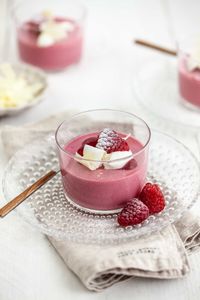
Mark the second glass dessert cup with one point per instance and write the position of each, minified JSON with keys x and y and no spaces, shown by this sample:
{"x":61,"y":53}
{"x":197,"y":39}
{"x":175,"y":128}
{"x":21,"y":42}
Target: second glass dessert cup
{"x":103,"y":189}
{"x":50,"y":33}
{"x":189,"y":71}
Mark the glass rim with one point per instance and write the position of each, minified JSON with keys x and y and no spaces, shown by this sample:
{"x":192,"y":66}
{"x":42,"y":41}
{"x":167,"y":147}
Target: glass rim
{"x":74,"y":156}
{"x":16,"y":6}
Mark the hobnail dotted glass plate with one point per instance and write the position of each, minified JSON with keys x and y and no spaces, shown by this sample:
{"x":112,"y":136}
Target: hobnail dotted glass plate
{"x":171,"y":165}
{"x":156,"y":87}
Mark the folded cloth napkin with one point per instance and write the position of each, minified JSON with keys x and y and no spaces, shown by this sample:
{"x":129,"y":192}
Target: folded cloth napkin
{"x":162,"y":255}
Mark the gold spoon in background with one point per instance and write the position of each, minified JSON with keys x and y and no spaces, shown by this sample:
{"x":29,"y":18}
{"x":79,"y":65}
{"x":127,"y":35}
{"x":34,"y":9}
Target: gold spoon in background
{"x":155,"y":47}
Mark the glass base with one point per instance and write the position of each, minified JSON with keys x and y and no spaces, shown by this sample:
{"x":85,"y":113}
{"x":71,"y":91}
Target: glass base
{"x":189,"y":105}
{"x":90,"y":210}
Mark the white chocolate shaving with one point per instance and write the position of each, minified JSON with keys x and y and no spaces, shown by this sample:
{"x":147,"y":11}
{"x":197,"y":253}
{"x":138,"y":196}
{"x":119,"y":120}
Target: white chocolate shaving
{"x":45,"y":40}
{"x":14,"y":88}
{"x":92,"y":157}
{"x":52,"y":31}
{"x":122,"y":157}
{"x":193,"y":61}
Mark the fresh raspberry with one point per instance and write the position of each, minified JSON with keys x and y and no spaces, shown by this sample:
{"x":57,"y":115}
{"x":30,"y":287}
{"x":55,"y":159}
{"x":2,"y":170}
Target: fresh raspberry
{"x":133,"y":213}
{"x":123,"y":146}
{"x":110,"y":141}
{"x":90,"y":141}
{"x":152,"y":196}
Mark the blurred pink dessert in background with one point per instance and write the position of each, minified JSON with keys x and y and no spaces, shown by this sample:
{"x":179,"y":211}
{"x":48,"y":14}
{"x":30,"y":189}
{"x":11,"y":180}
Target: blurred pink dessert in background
{"x":189,"y":82}
{"x":51,"y":43}
{"x":189,"y":70}
{"x":103,"y":184}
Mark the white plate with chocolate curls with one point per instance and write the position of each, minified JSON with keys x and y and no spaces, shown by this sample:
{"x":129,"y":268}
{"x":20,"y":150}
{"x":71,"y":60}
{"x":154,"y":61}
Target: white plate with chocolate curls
{"x":21,"y":87}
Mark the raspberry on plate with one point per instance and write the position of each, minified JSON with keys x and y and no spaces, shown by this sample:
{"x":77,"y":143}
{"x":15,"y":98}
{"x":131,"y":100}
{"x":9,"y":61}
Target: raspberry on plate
{"x":134,"y":212}
{"x":152,"y":196}
{"x":110,"y":141}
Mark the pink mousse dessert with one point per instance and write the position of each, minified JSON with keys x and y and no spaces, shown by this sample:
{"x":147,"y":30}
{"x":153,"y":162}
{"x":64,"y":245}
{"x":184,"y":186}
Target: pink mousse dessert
{"x":104,"y":169}
{"x":51,"y":43}
{"x":189,"y":80}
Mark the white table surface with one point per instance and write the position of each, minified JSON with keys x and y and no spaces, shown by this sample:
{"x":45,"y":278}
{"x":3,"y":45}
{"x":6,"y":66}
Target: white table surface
{"x":30,"y":269}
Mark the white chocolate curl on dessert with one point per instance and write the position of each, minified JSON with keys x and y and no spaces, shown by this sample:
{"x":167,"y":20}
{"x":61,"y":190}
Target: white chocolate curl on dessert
{"x":121,"y":157}
{"x":92,"y":157}
{"x":15,"y":90}
{"x":193,"y":61}
{"x":52,"y":31}
{"x":98,"y":157}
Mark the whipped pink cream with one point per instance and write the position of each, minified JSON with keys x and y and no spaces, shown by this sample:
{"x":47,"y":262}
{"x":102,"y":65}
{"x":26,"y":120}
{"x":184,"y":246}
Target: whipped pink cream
{"x":102,"y":189}
{"x":57,"y":56}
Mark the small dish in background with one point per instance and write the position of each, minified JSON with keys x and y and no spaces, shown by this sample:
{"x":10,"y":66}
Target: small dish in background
{"x":21,"y":87}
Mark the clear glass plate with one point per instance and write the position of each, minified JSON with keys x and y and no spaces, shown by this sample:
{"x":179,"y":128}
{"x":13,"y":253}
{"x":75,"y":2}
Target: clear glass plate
{"x":171,"y":165}
{"x":156,"y":87}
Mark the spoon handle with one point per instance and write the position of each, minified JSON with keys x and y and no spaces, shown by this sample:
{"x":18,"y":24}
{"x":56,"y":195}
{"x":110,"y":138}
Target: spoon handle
{"x":26,"y":193}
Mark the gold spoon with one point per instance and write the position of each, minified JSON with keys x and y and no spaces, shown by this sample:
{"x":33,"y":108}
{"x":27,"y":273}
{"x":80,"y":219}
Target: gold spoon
{"x":26,"y":193}
{"x":155,"y":47}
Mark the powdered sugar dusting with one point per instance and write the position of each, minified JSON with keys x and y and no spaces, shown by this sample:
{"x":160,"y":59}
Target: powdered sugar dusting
{"x":110,"y":141}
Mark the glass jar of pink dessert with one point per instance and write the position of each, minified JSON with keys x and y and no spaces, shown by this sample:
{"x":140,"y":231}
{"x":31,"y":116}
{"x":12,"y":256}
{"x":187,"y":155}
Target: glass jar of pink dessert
{"x":103,"y":158}
{"x":189,"y":71}
{"x":49,"y":32}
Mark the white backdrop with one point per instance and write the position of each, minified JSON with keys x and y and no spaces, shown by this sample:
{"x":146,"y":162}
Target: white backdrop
{"x":30,"y":268}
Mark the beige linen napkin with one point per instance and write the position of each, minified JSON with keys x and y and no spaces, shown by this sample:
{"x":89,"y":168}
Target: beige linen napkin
{"x":162,"y":255}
